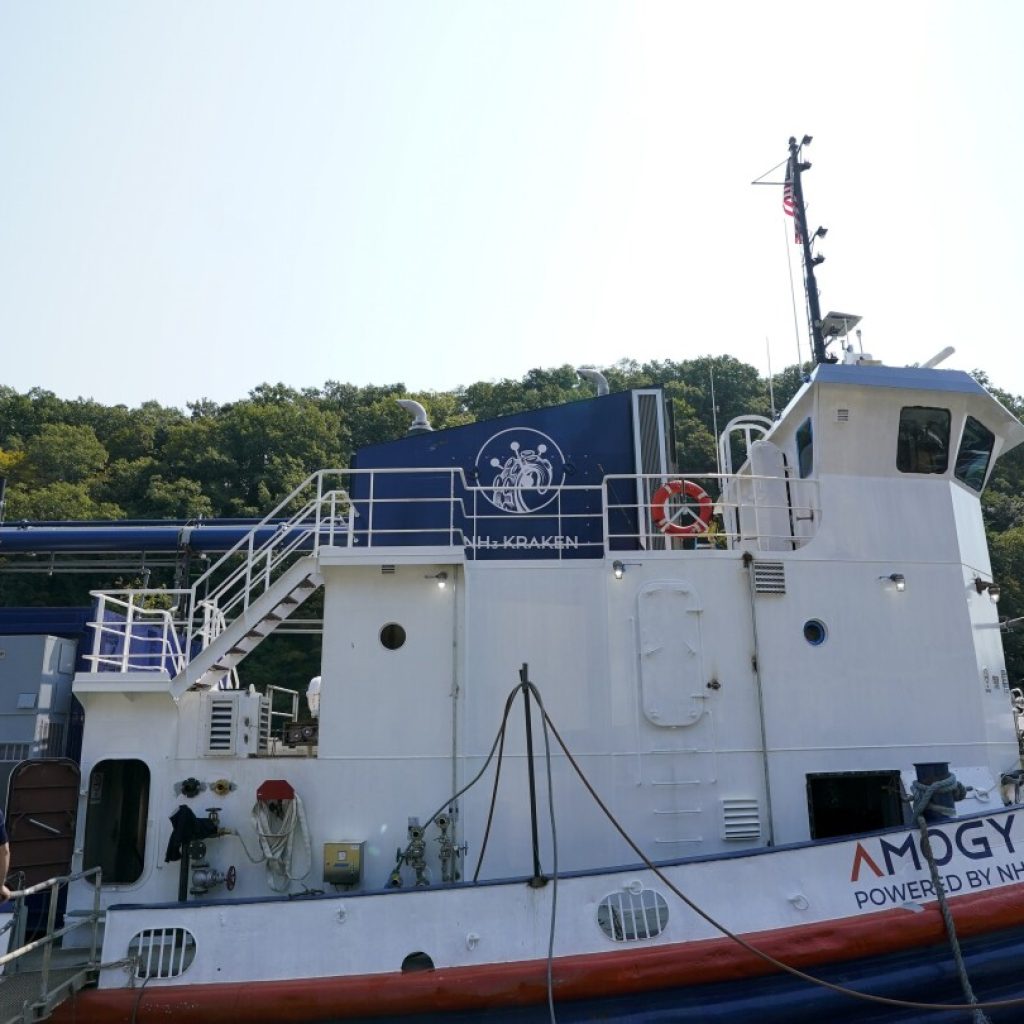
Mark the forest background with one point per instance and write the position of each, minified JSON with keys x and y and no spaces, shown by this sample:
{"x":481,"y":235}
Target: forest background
{"x":79,"y":460}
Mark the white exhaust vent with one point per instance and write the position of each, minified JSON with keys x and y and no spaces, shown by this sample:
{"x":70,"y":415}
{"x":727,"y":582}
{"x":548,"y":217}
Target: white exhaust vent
{"x":741,"y":820}
{"x":769,"y":578}
{"x":236,"y":723}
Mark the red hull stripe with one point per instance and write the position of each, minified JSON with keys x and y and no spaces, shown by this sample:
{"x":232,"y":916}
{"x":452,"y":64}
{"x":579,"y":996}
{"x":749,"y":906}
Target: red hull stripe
{"x":592,"y":975}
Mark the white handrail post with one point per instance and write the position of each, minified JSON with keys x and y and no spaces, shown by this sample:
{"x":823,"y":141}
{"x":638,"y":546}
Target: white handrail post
{"x":369,"y":511}
{"x":451,"y":508}
{"x":248,"y":572}
{"x":97,"y":630}
{"x":318,"y":517}
{"x":95,"y":915}
{"x":129,"y":623}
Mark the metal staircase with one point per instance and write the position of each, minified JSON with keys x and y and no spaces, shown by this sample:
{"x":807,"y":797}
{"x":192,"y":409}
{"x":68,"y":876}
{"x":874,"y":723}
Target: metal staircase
{"x":233,"y":606}
{"x":233,"y":642}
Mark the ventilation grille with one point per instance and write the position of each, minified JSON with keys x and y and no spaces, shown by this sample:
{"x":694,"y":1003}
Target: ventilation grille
{"x":264,"y":735}
{"x":221,"y":734}
{"x":769,"y":578}
{"x":628,"y":916}
{"x":842,"y":415}
{"x":387,"y":570}
{"x":650,"y":431}
{"x":162,"y":952}
{"x":741,"y":820}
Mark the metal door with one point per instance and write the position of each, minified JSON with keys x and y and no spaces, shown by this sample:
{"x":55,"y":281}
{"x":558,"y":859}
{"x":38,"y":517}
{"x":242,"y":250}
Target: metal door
{"x":42,"y":801}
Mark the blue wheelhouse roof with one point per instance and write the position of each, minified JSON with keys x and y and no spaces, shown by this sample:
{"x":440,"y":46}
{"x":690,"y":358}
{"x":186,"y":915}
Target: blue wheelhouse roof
{"x":908,"y":377}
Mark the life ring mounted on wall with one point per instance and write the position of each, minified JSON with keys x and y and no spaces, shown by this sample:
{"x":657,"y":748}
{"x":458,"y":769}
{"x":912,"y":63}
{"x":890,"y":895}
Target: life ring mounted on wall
{"x":698,"y":506}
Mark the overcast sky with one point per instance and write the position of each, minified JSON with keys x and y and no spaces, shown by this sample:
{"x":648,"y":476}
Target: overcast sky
{"x":199,"y":197}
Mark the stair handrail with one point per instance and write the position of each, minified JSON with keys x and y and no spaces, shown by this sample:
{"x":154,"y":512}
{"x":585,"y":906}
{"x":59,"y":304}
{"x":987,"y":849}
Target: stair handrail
{"x":310,"y":513}
{"x":52,"y":933}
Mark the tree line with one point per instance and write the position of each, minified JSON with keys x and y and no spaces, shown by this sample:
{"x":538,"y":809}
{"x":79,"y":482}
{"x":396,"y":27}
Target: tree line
{"x":78,"y":459}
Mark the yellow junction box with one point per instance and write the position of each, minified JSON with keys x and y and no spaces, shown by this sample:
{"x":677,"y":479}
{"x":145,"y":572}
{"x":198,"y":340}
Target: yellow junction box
{"x":343,"y":863}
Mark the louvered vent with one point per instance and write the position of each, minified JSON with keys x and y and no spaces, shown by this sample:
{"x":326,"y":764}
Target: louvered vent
{"x":162,"y":952}
{"x":221,"y":732}
{"x":842,"y":415}
{"x":650,"y":432}
{"x":769,"y":578}
{"x":741,"y":820}
{"x":387,"y":570}
{"x":264,"y":737}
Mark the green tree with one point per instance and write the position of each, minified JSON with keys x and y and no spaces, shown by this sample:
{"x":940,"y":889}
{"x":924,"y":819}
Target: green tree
{"x":62,"y":452}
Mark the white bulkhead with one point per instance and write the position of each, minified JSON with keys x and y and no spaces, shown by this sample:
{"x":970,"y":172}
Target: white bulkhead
{"x":720,"y":691}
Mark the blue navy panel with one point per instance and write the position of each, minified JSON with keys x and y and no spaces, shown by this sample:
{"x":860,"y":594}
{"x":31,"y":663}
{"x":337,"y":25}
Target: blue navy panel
{"x":515,"y":496}
{"x":910,"y":377}
{"x":66,"y":622}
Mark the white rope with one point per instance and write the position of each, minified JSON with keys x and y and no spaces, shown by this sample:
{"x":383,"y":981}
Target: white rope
{"x":277,"y":835}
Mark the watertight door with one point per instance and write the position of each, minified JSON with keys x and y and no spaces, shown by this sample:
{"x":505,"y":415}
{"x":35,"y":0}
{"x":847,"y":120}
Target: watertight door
{"x":671,"y":656}
{"x":42,"y":800}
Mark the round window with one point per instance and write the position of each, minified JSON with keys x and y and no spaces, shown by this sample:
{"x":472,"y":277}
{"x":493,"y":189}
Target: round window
{"x":815,"y":632}
{"x":392,"y":636}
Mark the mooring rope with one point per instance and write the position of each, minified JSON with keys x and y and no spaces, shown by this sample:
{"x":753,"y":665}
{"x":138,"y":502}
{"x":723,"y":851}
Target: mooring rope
{"x":921,"y":798}
{"x":748,"y":946}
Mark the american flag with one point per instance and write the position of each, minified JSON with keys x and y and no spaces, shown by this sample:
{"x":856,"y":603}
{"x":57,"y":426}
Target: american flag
{"x":789,"y":203}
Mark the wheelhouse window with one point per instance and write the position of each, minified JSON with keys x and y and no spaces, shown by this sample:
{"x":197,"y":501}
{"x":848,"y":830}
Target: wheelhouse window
{"x":923,"y":445}
{"x":975,"y":451}
{"x":805,"y":448}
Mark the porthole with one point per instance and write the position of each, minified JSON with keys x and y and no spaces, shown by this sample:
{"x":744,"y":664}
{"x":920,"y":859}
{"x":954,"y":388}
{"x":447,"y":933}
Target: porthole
{"x":628,"y":916}
{"x":815,"y":632}
{"x":392,"y":636}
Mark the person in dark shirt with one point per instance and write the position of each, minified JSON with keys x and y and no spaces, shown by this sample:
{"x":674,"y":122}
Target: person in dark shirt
{"x":5,"y":859}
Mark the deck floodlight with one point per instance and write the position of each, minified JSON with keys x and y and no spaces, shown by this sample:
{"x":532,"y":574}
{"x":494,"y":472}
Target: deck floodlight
{"x":618,"y":569}
{"x":993,"y":589}
{"x":899,"y":581}
{"x":440,"y":577}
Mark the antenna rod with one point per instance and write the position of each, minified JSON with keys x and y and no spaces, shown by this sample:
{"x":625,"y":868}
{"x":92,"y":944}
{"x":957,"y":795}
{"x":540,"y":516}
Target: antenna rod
{"x":800,"y":218}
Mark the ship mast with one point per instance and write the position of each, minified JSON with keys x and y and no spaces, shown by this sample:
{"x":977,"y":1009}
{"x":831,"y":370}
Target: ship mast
{"x":795,"y":170}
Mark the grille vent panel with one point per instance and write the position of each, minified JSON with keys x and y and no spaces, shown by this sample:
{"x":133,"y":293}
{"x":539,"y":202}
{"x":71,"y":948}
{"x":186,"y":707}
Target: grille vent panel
{"x":741,"y":820}
{"x":221,"y":735}
{"x":769,"y":578}
{"x":162,"y":952}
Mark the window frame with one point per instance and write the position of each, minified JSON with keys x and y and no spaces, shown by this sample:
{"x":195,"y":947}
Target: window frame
{"x":964,"y":477}
{"x":910,"y":454}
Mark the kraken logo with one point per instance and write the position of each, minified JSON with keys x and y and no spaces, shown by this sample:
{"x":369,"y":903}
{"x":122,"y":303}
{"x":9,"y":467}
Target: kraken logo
{"x":520,"y":470}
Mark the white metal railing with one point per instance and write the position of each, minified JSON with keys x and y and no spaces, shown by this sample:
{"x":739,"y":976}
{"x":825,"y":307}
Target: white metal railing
{"x":291,"y":697}
{"x":377,"y":508}
{"x":129,"y":636}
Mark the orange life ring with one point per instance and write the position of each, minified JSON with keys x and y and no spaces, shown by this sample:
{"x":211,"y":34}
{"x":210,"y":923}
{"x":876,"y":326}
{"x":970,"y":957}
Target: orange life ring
{"x":659,"y":508}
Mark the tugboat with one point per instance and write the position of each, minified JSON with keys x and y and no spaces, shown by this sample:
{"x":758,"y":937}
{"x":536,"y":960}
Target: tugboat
{"x":594,"y":736}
